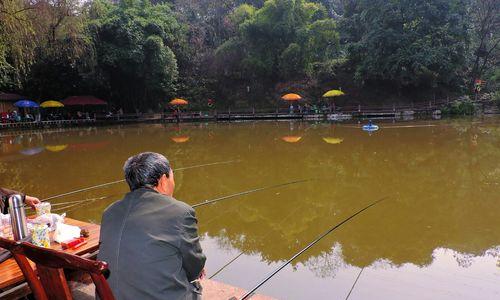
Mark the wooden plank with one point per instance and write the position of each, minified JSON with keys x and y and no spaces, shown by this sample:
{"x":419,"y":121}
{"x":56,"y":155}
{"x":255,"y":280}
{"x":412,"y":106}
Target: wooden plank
{"x":17,"y":292}
{"x":12,"y":275}
{"x":214,"y":290}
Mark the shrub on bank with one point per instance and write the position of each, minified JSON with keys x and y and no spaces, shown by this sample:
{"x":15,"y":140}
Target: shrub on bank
{"x":462,"y":106}
{"x":496,"y":98}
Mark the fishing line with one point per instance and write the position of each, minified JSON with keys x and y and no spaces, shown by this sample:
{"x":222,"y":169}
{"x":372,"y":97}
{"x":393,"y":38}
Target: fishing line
{"x":250,"y":293}
{"x":122,"y":180}
{"x":206,"y":202}
{"x":70,"y":202}
{"x":79,"y":202}
{"x":90,"y":200}
{"x":241,"y":253}
{"x":354,"y":284}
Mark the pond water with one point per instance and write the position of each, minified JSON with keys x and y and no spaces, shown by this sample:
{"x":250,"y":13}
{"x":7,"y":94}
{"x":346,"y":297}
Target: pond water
{"x":437,"y":236}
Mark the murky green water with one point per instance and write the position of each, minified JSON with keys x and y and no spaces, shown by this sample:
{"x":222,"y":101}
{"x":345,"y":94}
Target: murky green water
{"x":435,"y":237}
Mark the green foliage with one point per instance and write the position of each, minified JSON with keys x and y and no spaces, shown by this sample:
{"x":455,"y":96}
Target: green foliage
{"x":141,"y":53}
{"x":134,"y":44}
{"x":462,"y":106}
{"x":241,"y":13}
{"x":280,"y":41}
{"x":407,"y":43}
{"x":496,"y":98}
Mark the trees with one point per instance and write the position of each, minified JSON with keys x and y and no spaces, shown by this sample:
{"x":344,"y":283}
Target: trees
{"x":135,"y":43}
{"x":407,"y":43}
{"x":138,"y":53}
{"x":16,"y":43}
{"x":281,"y":41}
{"x":485,"y":22}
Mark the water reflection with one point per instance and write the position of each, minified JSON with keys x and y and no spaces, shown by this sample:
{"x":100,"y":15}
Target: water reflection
{"x":56,"y":148}
{"x":32,"y":151}
{"x":180,"y":139}
{"x":333,"y":140}
{"x":291,"y":139}
{"x":442,"y":178}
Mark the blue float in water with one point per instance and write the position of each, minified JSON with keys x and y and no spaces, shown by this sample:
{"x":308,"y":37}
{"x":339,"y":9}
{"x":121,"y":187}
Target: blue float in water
{"x":370,"y":126}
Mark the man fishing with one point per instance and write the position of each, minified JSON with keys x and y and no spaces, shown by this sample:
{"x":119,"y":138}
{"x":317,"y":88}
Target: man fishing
{"x":150,"y":240}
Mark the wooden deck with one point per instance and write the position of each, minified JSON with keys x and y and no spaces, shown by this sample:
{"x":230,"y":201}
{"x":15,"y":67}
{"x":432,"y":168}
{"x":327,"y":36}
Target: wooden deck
{"x":12,"y":275}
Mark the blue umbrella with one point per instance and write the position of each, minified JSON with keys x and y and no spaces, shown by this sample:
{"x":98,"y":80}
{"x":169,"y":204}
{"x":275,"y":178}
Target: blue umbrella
{"x":26,"y":103}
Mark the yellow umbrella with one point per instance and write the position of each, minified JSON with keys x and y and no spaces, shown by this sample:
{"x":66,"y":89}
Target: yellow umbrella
{"x":179,"y":101}
{"x":291,"y":97}
{"x":291,"y":138}
{"x":333,"y":140}
{"x":51,"y":103}
{"x":333,"y":93}
{"x":56,"y":148}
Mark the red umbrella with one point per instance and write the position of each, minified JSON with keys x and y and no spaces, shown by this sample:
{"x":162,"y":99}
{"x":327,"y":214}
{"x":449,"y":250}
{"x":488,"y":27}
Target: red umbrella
{"x":83,"y":100}
{"x":11,"y":97}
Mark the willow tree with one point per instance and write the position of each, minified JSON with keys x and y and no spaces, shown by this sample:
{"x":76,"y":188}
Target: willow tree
{"x":16,"y":43}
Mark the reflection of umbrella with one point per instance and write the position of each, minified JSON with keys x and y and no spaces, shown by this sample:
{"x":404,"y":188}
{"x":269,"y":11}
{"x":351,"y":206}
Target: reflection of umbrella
{"x":56,"y":148}
{"x":26,"y":103}
{"x":333,"y":140}
{"x":180,"y":139}
{"x":291,"y":97}
{"x":291,"y":138}
{"x":51,"y":103}
{"x":178,"y":101}
{"x":83,"y":100}
{"x":32,"y":151}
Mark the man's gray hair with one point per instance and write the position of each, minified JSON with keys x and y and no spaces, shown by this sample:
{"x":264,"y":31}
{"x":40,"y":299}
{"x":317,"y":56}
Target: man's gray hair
{"x":145,"y":169}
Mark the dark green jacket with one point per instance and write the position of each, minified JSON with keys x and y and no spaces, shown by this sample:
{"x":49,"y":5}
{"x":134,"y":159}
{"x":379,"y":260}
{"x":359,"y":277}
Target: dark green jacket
{"x":151,"y":244}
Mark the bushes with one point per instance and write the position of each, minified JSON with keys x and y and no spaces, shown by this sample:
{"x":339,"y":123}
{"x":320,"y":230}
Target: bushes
{"x":463,"y":106}
{"x":496,"y":98}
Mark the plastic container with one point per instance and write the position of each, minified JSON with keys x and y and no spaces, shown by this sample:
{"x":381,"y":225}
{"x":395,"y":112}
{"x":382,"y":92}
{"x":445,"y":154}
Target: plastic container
{"x":40,"y":235}
{"x":42,"y":208}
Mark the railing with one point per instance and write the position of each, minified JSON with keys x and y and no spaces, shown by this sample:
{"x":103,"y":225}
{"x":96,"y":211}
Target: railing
{"x":42,"y":124}
{"x":240,"y":114}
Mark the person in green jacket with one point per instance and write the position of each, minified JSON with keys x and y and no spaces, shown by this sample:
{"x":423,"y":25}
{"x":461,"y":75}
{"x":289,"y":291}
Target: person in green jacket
{"x":149,"y":239}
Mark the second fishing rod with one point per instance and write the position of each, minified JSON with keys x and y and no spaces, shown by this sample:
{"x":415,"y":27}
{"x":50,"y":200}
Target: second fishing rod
{"x":123,"y":180}
{"x":81,"y":203}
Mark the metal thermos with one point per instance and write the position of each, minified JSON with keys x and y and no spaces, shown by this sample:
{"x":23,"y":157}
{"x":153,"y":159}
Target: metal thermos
{"x":18,"y":217}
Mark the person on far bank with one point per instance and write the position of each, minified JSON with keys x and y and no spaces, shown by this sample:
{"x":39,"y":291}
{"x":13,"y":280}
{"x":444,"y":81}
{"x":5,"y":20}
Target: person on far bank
{"x":149,"y":239}
{"x":4,"y":198}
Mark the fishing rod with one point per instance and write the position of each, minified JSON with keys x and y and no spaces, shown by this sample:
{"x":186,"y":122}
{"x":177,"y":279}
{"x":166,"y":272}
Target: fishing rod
{"x":206,"y":202}
{"x":122,"y":180}
{"x":71,"y":204}
{"x":250,"y":293}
